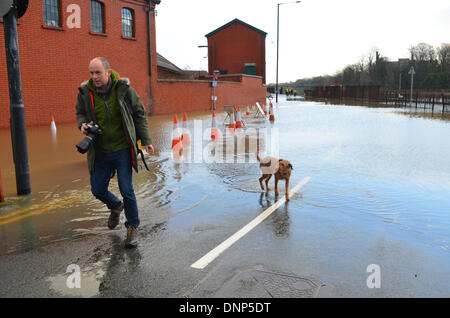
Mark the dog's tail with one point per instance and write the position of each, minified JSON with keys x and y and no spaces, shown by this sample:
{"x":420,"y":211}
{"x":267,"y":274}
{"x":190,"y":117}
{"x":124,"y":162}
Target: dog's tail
{"x":257,"y":157}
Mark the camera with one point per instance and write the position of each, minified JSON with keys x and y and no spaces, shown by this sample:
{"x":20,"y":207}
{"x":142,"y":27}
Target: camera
{"x":93,"y":132}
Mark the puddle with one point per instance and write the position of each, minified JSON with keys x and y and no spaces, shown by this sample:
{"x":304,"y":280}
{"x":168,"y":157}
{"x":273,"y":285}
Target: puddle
{"x":85,"y":285}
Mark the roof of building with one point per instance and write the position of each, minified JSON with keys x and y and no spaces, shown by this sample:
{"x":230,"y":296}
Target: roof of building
{"x":166,"y":64}
{"x":236,"y":21}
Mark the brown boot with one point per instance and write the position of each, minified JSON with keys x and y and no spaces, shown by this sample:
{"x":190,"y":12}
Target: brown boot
{"x":132,"y":237}
{"x":114,"y":217}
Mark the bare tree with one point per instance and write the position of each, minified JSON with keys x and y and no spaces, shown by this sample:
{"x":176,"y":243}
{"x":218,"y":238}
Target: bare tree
{"x":444,"y":54}
{"x":422,"y":52}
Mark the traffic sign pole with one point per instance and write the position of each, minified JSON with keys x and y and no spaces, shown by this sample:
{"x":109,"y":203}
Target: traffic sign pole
{"x":214,"y":84}
{"x":214,"y":98}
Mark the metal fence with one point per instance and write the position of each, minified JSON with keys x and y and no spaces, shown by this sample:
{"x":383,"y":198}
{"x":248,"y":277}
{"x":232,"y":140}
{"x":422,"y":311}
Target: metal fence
{"x":419,"y":98}
{"x":374,"y":94}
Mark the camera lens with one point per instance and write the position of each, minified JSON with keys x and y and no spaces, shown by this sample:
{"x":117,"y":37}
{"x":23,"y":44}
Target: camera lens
{"x":84,"y":144}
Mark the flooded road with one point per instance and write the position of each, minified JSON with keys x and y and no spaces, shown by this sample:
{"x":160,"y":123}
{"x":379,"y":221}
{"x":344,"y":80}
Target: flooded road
{"x":378,"y":193}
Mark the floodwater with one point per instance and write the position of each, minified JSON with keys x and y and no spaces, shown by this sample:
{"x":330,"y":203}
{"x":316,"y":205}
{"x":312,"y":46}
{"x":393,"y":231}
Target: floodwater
{"x":379,"y":177}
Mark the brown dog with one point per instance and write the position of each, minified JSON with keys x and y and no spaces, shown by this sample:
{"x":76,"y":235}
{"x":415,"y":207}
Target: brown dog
{"x":274,"y":166}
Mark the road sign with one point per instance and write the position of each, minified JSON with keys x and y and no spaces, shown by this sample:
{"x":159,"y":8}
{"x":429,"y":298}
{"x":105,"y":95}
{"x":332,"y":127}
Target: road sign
{"x":216,"y":75}
{"x":259,"y":111}
{"x":411,"y":71}
{"x":5,"y":6}
{"x":214,"y":84}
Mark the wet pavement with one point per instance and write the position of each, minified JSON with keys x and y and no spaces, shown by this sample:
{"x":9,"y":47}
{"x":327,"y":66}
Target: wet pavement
{"x":378,"y":194}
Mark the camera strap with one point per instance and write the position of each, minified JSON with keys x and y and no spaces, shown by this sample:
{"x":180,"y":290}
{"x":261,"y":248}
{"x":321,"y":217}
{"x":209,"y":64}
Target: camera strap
{"x":98,"y":151}
{"x":143,"y":159}
{"x":128,"y":103}
{"x":130,"y":109}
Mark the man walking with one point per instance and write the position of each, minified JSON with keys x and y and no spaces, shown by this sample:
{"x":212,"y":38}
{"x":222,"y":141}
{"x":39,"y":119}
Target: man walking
{"x":111,"y":103}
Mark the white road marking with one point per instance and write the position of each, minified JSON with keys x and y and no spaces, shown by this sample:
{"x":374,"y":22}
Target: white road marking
{"x":213,"y":254}
{"x":333,"y":152}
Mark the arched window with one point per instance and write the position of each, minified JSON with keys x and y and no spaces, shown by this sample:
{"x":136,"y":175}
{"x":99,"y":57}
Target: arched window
{"x":128,"y":22}
{"x":97,"y":19}
{"x":52,"y":15}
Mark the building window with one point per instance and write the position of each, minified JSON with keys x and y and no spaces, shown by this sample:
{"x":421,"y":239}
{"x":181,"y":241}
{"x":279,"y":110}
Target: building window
{"x":52,"y":13}
{"x":97,"y":24}
{"x":127,"y":23}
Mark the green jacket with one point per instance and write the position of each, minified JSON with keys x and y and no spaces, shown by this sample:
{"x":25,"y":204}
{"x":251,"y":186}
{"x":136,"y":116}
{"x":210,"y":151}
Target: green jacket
{"x":108,"y":118}
{"x":134,"y":120}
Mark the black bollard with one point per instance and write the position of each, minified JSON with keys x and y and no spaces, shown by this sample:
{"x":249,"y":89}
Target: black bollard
{"x":17,"y":109}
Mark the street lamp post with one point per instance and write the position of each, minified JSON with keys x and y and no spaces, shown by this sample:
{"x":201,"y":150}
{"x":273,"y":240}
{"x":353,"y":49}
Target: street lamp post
{"x":412,"y":72}
{"x":399,"y":79}
{"x":278,"y":42}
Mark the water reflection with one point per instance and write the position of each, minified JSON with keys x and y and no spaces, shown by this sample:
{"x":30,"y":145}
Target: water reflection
{"x":59,"y":174}
{"x":120,"y":260}
{"x":426,"y":114}
{"x":422,"y":111}
{"x":28,"y":235}
{"x":393,"y":168}
{"x":279,"y":220}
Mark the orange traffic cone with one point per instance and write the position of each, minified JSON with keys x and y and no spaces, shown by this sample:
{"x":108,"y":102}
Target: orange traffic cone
{"x":248,"y":111}
{"x":271,"y":115}
{"x":185,"y":137}
{"x":232,"y":124}
{"x":265,"y":109}
{"x":214,"y":130}
{"x":176,"y":136}
{"x":53,"y":125}
{"x":238,"y":118}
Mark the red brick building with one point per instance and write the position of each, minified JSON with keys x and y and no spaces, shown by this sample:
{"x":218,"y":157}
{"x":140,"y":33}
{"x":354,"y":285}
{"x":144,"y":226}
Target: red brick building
{"x":58,"y":38}
{"x":237,"y":48}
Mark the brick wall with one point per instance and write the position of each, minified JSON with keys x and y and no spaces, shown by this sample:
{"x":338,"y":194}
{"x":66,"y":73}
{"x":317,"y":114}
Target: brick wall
{"x":54,"y":61}
{"x":177,"y":96}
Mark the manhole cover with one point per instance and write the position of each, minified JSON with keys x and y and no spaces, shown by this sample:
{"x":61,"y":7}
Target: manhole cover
{"x":286,"y":286}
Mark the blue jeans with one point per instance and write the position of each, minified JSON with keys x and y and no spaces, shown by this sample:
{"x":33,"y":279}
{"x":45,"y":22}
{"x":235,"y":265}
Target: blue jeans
{"x":121,"y":161}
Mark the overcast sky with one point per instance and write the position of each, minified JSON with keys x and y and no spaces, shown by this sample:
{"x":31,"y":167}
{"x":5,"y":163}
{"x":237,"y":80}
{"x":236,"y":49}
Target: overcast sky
{"x":317,"y":37}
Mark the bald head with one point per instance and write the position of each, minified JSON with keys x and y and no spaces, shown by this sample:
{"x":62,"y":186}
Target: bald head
{"x":100,"y":71}
{"x":104,"y":62}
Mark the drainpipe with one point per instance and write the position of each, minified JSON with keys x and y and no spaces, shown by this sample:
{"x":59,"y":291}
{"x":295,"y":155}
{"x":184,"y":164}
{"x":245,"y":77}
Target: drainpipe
{"x":263,"y":60}
{"x":149,"y":32}
{"x":149,"y":29}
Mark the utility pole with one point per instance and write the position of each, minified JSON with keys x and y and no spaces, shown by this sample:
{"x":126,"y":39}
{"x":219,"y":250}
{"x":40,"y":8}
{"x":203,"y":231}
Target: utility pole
{"x":278,"y":43}
{"x":10,"y":14}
